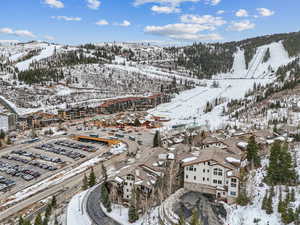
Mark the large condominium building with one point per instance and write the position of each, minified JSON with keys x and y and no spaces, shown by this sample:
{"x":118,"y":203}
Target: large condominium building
{"x":213,"y":171}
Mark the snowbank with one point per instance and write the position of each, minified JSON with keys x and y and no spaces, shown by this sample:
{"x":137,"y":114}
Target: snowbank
{"x":118,"y":148}
{"x":51,"y":181}
{"x":120,"y":214}
{"x":76,"y":212}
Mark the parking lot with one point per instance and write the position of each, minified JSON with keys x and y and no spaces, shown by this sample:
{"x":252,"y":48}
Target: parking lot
{"x":22,"y":166}
{"x":140,"y":135}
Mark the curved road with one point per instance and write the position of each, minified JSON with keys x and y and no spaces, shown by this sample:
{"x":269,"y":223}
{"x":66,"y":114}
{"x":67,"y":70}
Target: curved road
{"x":95,"y":211}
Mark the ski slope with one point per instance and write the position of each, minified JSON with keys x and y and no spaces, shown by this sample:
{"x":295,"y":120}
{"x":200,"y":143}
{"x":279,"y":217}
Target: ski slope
{"x":45,"y":53}
{"x":257,"y":68}
{"x":187,"y":107}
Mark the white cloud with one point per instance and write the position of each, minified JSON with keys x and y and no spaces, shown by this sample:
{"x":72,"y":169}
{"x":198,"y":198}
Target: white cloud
{"x":164,"y":2}
{"x":6,"y":31}
{"x":49,"y":38}
{"x":66,"y":18}
{"x":265,"y":12}
{"x":19,"y":33}
{"x":125,"y":23}
{"x":54,"y":3}
{"x":241,"y":26}
{"x":220,"y":12}
{"x":214,"y":2}
{"x":207,"y":20}
{"x":165,"y":9}
{"x":181,"y":31}
{"x":24,"y":33}
{"x":197,"y":37}
{"x":242,"y":13}
{"x":93,"y":4}
{"x":102,"y":23}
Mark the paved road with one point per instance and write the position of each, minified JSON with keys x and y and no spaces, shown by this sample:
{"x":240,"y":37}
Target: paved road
{"x":95,"y":211}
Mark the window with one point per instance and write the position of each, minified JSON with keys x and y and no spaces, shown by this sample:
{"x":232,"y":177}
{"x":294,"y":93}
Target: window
{"x":233,"y":193}
{"x":125,"y":183}
{"x":203,"y":178}
{"x":207,"y":179}
{"x":191,"y":168}
{"x":219,"y":182}
{"x":233,"y":182}
{"x":194,"y":169}
{"x":208,"y":163}
{"x":195,"y":178}
{"x":215,"y":171}
{"x":208,"y":171}
{"x":187,"y":176}
{"x":218,"y":172}
{"x":203,"y":170}
{"x":215,"y":181}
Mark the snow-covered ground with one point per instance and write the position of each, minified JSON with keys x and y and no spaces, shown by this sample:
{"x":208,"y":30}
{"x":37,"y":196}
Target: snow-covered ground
{"x":120,"y":214}
{"x":187,"y":107}
{"x":52,"y":180}
{"x":257,"y":68}
{"x":118,"y":148}
{"x":76,"y":213}
{"x":46,"y":52}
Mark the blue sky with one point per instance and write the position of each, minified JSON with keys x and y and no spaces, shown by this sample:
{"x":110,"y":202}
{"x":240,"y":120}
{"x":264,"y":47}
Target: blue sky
{"x":178,"y":21}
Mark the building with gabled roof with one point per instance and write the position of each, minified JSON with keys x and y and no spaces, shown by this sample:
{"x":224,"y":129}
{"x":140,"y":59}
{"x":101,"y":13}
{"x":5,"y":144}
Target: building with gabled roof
{"x":212,"y":171}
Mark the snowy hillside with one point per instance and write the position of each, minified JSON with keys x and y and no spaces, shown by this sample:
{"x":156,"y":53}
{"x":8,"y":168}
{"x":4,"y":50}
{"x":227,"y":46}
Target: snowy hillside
{"x":258,"y":68}
{"x":48,"y":50}
{"x":188,"y":107}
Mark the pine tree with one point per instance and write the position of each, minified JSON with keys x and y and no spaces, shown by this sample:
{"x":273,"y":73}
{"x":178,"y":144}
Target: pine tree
{"x":38,"y":220}
{"x":195,"y":218}
{"x":137,"y":122}
{"x":56,"y":221}
{"x":269,"y":204}
{"x":181,"y":220}
{"x":156,"y":139}
{"x":104,"y":172}
{"x":132,"y":212}
{"x":292,"y":196}
{"x":8,"y":141}
{"x":48,"y":211}
{"x":2,"y":134}
{"x":264,"y":202}
{"x":272,"y":192}
{"x":280,"y":208}
{"x":280,"y":169}
{"x":27,"y":222}
{"x":92,"y":178}
{"x":45,"y":221}
{"x":291,"y":215}
{"x":47,"y":215}
{"x":21,"y":221}
{"x":105,"y":200}
{"x":242,"y":199}
{"x":297,"y":216}
{"x":53,"y":202}
{"x":252,"y":152}
{"x":85,"y":184}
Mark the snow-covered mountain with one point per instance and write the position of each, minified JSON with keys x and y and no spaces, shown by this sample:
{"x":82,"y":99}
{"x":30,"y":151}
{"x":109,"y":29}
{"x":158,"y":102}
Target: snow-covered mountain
{"x":52,"y":75}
